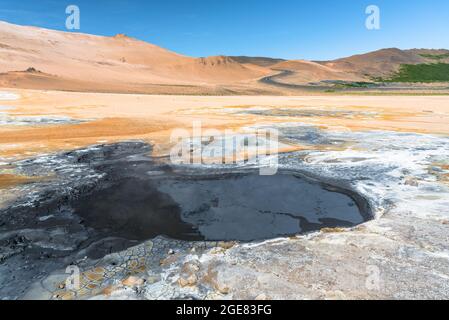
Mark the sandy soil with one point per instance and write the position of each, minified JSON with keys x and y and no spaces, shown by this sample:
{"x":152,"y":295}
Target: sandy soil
{"x":115,"y":117}
{"x":8,"y":180}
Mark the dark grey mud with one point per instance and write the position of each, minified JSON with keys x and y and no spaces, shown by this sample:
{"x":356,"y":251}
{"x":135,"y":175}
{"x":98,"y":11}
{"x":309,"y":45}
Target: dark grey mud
{"x":108,"y":198}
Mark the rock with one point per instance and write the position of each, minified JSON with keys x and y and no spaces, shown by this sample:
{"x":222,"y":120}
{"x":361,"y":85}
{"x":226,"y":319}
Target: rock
{"x":132,"y":281}
{"x":226,"y":245}
{"x":262,"y":297}
{"x":222,"y":288}
{"x":189,"y":282}
{"x":109,"y":290}
{"x":191,"y":267}
{"x":182,"y":282}
{"x":218,"y":250}
{"x":169,"y":260}
{"x":32,"y":70}
{"x":67,"y":295}
{"x":411,"y":182}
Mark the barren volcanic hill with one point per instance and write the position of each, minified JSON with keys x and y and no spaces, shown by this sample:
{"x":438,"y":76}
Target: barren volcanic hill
{"x":384,"y":62}
{"x":36,"y":58}
{"x":41,"y":58}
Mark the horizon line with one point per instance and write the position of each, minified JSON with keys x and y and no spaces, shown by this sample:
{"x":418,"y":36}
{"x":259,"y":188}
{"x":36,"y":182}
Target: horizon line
{"x":78,"y":32}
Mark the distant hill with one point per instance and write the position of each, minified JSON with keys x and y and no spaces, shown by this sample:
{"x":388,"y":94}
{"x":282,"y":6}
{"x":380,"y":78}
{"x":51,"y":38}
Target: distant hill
{"x":259,"y":61}
{"x":378,"y":63}
{"x":39,"y":58}
{"x":386,"y":62}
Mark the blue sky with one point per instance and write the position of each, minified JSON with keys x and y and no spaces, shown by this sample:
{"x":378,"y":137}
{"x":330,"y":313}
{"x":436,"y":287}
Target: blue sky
{"x":293,"y":29}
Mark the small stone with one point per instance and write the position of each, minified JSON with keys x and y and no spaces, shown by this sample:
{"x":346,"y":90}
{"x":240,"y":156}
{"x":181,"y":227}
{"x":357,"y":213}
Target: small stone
{"x":189,"y":282}
{"x":61,"y":286}
{"x":94,"y":276}
{"x":195,"y":267}
{"x":171,"y":251}
{"x":226,"y":245}
{"x":182,"y":282}
{"x":218,"y":250}
{"x":262,"y":297}
{"x":132,"y":281}
{"x":222,"y":288}
{"x":99,"y":270}
{"x":191,"y":267}
{"x":169,"y":260}
{"x":109,"y":290}
{"x":335,"y":295}
{"x":66,"y":295}
{"x":411,"y":182}
{"x":192,"y":279}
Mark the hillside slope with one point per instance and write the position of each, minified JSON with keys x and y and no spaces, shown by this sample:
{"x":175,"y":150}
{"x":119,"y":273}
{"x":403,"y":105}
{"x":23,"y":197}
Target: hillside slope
{"x":80,"y":58}
{"x":377,"y":64}
{"x":303,"y":72}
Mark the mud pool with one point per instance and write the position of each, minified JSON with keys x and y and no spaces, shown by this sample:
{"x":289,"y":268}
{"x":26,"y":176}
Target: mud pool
{"x":239,"y":206}
{"x":108,"y":198}
{"x":247,"y":207}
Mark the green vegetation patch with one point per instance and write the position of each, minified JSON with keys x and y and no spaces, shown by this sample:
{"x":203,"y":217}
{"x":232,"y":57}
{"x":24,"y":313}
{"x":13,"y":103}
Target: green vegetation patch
{"x":434,"y":72}
{"x":359,"y":84}
{"x":339,"y":84}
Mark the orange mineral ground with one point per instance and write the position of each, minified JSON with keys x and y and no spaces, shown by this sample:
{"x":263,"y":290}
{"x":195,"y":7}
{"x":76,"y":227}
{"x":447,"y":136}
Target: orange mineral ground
{"x":116,"y":117}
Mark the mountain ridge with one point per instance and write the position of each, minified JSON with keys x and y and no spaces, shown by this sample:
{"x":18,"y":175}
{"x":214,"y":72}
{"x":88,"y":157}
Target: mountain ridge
{"x":78,"y":61}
